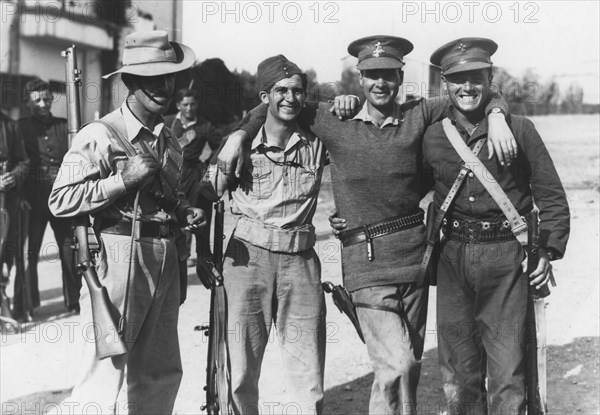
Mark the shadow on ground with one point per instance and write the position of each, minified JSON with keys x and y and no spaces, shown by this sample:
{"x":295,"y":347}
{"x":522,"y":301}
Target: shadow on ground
{"x":352,"y":398}
{"x":573,"y":386}
{"x":573,"y":383}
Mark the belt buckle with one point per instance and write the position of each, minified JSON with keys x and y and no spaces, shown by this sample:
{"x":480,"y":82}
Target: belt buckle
{"x":164,"y":230}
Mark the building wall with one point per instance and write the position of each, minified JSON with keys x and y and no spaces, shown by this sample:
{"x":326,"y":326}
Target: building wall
{"x":166,"y":15}
{"x":419,"y":80}
{"x":33,"y":35}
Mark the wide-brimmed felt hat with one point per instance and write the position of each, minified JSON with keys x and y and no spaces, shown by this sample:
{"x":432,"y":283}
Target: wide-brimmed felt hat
{"x":464,"y":54}
{"x":150,"y":54}
{"x":380,"y":52}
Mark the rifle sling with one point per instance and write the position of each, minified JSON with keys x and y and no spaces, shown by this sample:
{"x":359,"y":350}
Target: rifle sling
{"x":433,"y":233}
{"x":130,"y":151}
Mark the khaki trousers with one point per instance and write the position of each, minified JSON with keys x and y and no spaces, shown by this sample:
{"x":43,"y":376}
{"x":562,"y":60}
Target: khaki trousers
{"x":153,"y":365}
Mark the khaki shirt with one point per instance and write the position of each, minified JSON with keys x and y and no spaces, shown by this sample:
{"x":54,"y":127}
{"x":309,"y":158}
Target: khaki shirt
{"x":89,"y":181}
{"x":278,"y":187}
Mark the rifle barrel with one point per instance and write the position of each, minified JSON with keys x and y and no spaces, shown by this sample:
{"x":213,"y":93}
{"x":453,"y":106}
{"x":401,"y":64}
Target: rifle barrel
{"x":73,"y":82}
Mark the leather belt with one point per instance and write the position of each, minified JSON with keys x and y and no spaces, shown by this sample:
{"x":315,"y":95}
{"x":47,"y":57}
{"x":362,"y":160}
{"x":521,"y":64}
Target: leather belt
{"x":147,"y":229}
{"x":467,"y":231}
{"x":378,"y":229}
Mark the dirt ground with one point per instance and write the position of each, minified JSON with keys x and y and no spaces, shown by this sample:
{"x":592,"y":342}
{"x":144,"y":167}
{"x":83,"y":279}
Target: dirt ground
{"x":39,"y":362}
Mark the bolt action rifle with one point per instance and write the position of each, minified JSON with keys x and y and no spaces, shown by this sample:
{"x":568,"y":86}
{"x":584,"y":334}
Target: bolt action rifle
{"x":5,"y":314}
{"x":218,"y":382}
{"x":22,"y":231}
{"x":108,"y":343}
{"x":536,"y":326}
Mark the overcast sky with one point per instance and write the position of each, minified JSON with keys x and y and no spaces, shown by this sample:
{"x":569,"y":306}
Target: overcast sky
{"x":555,"y":38}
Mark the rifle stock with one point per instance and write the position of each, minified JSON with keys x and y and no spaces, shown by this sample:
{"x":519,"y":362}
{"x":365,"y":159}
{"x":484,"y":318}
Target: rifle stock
{"x":108,"y":342}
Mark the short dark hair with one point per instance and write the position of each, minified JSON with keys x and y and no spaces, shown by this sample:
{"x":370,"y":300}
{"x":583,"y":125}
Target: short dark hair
{"x":303,"y":78}
{"x":183,"y":93}
{"x":35,"y":85}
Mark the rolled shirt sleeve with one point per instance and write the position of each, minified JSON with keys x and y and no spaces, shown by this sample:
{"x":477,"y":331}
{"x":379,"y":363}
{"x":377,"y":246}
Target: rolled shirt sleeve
{"x":89,"y":179}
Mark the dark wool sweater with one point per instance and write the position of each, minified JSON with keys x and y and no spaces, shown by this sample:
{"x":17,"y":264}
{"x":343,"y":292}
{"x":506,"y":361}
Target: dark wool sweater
{"x":376,"y":174}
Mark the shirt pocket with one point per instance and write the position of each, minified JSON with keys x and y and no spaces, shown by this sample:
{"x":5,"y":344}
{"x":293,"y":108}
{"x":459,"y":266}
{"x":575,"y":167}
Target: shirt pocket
{"x":307,"y":180}
{"x":262,"y":180}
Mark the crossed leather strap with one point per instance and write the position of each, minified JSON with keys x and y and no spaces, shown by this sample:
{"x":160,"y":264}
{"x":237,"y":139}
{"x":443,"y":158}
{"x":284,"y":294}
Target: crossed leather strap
{"x":473,"y":164}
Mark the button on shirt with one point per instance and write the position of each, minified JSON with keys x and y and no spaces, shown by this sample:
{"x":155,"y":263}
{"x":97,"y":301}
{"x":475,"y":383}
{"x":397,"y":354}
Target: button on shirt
{"x":280,"y":187}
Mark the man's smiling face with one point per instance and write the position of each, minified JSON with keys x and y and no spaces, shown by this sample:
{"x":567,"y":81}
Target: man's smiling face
{"x":469,"y":91}
{"x":285,"y":99}
{"x":381,"y":86}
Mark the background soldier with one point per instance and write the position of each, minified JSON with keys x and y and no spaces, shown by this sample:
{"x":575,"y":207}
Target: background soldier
{"x":46,"y":143}
{"x":193,"y":134}
{"x":482,"y":288}
{"x":128,"y":163}
{"x":13,"y":166}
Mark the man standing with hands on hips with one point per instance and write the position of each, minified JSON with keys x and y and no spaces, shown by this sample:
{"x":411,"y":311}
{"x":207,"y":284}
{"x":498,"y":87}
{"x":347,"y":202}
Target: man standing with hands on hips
{"x":124,"y":171}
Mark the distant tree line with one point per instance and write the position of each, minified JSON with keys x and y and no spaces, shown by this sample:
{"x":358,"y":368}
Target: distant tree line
{"x":529,"y":96}
{"x":224,"y":97}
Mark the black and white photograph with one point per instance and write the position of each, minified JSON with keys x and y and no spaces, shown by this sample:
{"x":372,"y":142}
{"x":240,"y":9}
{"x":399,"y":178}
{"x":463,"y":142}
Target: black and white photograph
{"x":299,"y":207}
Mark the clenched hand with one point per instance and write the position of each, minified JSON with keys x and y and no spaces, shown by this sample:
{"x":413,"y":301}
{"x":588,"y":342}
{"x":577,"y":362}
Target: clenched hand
{"x":137,"y":168}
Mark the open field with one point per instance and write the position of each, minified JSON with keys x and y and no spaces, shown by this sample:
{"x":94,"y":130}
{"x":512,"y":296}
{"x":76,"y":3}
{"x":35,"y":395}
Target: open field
{"x":39,"y":364}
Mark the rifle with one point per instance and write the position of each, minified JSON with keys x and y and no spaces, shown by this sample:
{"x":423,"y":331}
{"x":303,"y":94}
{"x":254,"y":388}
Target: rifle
{"x":218,"y":390}
{"x":5,"y":314}
{"x":101,"y":305}
{"x":22,"y":230}
{"x":536,"y":327}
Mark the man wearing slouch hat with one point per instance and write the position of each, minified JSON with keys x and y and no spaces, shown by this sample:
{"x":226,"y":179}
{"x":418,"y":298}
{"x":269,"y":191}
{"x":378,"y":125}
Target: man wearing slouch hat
{"x":120,"y":170}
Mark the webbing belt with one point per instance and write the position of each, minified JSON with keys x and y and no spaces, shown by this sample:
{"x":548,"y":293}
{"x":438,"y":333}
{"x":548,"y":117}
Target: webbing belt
{"x":433,"y":233}
{"x":517,"y":224}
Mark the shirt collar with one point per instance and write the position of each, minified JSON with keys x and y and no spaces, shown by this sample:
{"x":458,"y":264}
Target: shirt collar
{"x":261,"y":138}
{"x":395,"y":118}
{"x":134,"y":125}
{"x":189,"y":124}
{"x":482,"y":127}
